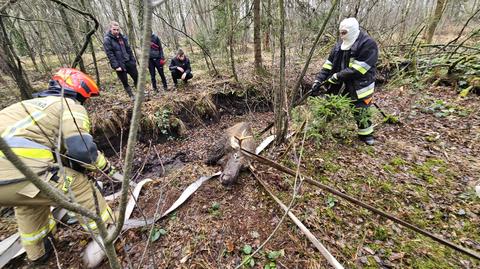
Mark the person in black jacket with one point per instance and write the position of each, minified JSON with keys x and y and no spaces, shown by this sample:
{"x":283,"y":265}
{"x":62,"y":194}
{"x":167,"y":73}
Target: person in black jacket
{"x":156,"y":60}
{"x":120,"y":56}
{"x":180,"y":67}
{"x":351,"y":67}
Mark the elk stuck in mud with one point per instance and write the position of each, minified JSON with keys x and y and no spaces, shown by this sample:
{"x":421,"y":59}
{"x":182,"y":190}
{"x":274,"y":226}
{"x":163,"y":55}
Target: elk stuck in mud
{"x":227,"y":152}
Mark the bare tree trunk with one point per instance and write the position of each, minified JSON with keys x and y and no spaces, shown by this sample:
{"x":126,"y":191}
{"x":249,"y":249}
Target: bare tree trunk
{"x":230,"y":38}
{"x":267,"y":33}
{"x":200,"y":13}
{"x":131,"y":32}
{"x":184,"y":26}
{"x":132,"y":136}
{"x":114,"y":7}
{"x":280,"y":109}
{"x":30,"y":50}
{"x":72,"y":36}
{"x":310,"y":55}
{"x":10,"y":59}
{"x":435,"y":19}
{"x":92,"y":48}
{"x":257,"y":42}
{"x":246,"y":26}
{"x":171,"y":18}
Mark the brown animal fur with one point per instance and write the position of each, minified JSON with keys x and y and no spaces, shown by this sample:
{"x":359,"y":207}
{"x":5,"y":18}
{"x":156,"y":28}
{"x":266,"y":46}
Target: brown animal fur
{"x":228,"y":154}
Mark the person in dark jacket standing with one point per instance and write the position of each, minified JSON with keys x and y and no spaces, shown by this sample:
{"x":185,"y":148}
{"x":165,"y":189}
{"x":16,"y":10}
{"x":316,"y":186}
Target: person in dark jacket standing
{"x":351,"y":66}
{"x":120,"y":56}
{"x":156,"y":60}
{"x":180,"y":67}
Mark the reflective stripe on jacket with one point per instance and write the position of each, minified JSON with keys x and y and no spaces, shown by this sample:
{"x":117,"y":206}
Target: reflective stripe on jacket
{"x":31,"y":128}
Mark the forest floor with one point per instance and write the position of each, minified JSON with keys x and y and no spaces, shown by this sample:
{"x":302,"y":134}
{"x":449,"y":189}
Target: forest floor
{"x":422,"y":170}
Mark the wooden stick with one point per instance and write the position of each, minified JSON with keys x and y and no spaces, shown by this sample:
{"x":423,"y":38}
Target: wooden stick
{"x":300,"y":225}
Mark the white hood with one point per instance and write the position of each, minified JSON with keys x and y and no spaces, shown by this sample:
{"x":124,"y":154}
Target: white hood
{"x":353,"y":30}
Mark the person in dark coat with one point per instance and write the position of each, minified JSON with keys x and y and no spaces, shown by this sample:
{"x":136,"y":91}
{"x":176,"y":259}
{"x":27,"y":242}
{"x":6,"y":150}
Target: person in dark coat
{"x":156,"y":61}
{"x":120,"y":56}
{"x":351,"y":66}
{"x":180,"y":67}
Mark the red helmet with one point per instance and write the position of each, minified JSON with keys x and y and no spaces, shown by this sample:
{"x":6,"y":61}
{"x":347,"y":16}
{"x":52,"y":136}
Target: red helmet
{"x":77,"y":81}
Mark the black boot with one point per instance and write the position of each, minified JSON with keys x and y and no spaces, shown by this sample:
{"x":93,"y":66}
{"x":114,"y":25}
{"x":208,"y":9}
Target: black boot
{"x":48,"y":242}
{"x":129,"y":92}
{"x":367,"y":139}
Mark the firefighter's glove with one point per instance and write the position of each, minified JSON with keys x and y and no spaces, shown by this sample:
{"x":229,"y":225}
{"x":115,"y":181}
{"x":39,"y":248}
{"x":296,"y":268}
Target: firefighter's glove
{"x":316,"y":87}
{"x":109,"y":169}
{"x":333,"y":79}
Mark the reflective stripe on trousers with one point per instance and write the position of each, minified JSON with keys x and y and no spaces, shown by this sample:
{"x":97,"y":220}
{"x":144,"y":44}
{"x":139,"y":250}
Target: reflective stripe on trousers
{"x":365,"y":91}
{"x":105,"y":215}
{"x":366,"y":131}
{"x":36,"y":236}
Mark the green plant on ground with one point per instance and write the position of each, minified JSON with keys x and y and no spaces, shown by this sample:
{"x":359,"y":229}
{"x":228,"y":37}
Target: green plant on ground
{"x":425,"y":171}
{"x":327,"y":118}
{"x":214,"y":210}
{"x":248,"y":259}
{"x":162,"y":120}
{"x":272,"y":258}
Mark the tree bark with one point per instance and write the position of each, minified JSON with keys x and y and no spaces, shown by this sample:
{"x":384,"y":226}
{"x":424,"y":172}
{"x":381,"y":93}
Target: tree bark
{"x":435,"y":19}
{"x":280,"y":109}
{"x":231,"y":38}
{"x":10,"y":59}
{"x":135,"y":122}
{"x":310,"y":55}
{"x":92,"y":48}
{"x":72,"y":36}
{"x":267,"y":32}
{"x":130,"y":28}
{"x":257,"y":42}
{"x":31,"y":52}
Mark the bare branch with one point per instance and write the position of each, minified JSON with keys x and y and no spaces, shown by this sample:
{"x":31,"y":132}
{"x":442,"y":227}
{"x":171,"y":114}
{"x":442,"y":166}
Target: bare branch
{"x":132,"y":136}
{"x":158,"y":3}
{"x":2,"y":8}
{"x":310,"y":54}
{"x":89,"y":34}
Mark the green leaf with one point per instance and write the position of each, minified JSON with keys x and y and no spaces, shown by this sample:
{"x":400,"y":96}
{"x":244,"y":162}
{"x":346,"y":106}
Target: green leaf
{"x":270,"y":265}
{"x":331,"y":201}
{"x":247,"y":249}
{"x":252,"y":262}
{"x":154,"y":235}
{"x":162,"y":232}
{"x":273,"y":255}
{"x":215,"y":206}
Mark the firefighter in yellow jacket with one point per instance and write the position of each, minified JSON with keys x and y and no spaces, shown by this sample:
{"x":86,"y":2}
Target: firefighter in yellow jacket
{"x":32,"y":129}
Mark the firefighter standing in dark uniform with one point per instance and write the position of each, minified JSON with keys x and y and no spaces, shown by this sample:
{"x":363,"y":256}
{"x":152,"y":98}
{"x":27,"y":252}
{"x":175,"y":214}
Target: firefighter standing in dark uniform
{"x":31,"y":129}
{"x":351,"y":65}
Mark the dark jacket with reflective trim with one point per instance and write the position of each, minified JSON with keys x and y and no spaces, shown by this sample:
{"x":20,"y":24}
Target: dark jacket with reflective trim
{"x":118,"y":50}
{"x":364,"y":53}
{"x":32,"y":128}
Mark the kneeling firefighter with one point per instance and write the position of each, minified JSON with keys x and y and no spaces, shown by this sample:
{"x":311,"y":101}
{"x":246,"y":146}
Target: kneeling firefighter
{"x":32,"y":128}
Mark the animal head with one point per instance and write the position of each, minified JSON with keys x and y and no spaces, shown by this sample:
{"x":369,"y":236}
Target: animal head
{"x":232,"y":168}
